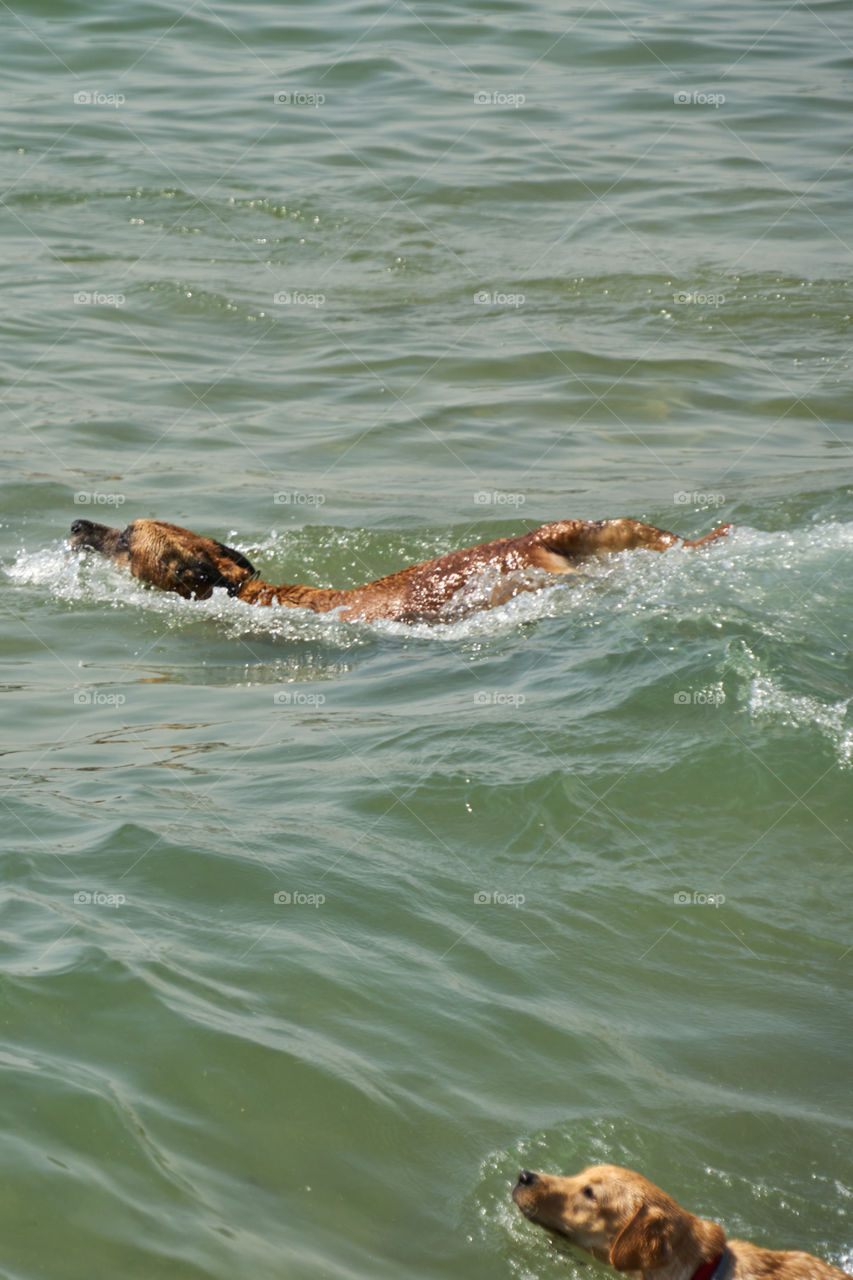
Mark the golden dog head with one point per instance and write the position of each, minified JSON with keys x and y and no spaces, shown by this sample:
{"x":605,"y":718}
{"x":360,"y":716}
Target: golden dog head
{"x":167,"y":556}
{"x":616,"y":1215}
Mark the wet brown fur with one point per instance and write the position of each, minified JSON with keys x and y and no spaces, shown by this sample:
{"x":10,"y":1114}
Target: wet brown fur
{"x":623,"y":1219}
{"x":167,"y":556}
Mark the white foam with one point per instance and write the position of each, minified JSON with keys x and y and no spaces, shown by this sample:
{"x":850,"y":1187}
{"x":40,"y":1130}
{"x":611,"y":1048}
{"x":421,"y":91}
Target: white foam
{"x":53,"y":568}
{"x":768,"y":700}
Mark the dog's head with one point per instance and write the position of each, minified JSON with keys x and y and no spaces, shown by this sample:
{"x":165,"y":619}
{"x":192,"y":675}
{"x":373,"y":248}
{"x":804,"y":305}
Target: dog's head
{"x":616,"y":1215}
{"x":167,"y":556}
{"x":100,"y":537}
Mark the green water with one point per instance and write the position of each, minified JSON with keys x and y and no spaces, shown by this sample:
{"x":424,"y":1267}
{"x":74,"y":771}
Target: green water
{"x":315,"y":933}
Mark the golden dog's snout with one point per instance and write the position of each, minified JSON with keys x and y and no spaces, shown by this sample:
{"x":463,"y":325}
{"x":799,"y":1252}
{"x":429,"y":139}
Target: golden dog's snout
{"x":524,"y":1193}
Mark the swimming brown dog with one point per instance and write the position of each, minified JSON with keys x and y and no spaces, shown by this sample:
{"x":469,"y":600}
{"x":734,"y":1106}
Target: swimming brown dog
{"x":623,"y":1219}
{"x":175,"y":559}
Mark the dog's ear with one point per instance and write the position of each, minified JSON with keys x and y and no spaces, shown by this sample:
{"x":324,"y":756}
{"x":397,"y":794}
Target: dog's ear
{"x":230,"y":569}
{"x":644,"y":1243}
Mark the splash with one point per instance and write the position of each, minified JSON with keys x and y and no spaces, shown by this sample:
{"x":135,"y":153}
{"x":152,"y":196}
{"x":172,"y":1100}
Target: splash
{"x":785,"y":583}
{"x":81,"y":578}
{"x":768,"y":700}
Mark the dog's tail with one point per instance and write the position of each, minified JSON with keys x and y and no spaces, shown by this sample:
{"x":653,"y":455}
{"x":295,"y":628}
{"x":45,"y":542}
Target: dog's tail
{"x":575,"y":539}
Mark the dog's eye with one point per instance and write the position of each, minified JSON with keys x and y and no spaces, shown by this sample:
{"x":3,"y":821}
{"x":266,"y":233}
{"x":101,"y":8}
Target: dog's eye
{"x":588,"y":1192}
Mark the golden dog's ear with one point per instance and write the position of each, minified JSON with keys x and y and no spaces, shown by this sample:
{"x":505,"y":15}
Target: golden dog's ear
{"x":644,"y":1243}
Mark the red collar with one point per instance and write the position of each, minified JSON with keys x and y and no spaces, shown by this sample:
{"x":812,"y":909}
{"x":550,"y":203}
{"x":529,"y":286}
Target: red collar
{"x":707,"y":1269}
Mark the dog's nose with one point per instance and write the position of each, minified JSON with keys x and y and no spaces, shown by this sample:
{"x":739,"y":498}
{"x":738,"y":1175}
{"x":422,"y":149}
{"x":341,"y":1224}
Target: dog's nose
{"x":527,"y":1179}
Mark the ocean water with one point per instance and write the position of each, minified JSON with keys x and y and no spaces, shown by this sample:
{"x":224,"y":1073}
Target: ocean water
{"x":314,"y":932}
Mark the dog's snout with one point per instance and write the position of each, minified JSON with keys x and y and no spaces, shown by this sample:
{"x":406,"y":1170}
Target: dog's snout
{"x":527,"y":1179}
{"x":86,"y":531}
